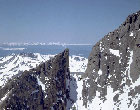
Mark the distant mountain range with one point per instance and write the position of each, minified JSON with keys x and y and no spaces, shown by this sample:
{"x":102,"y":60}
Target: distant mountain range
{"x":39,"y":43}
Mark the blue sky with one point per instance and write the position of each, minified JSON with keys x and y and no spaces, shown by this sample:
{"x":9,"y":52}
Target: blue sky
{"x":69,"y":21}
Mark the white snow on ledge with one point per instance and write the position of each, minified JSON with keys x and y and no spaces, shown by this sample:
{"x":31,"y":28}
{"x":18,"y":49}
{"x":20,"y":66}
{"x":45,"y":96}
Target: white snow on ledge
{"x":131,"y":33}
{"x":115,"y":52}
{"x":5,"y":96}
{"x":100,"y":72}
{"x":41,"y":84}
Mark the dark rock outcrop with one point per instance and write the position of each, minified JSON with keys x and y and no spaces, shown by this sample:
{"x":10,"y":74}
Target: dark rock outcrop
{"x":114,"y":62}
{"x":41,"y":88}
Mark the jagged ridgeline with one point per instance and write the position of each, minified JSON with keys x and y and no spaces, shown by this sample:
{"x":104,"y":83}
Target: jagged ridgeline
{"x":112,"y":77}
{"x":41,"y":88}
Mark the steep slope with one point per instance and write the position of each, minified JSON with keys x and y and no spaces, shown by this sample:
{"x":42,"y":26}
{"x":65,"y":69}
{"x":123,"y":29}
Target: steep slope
{"x":112,"y":78}
{"x":15,"y":64}
{"x":41,"y":88}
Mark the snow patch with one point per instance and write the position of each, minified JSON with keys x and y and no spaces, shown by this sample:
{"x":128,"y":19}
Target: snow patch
{"x":100,"y":72}
{"x":99,"y":104}
{"x":115,"y":52}
{"x":77,"y":85}
{"x":77,"y":63}
{"x":5,"y":96}
{"x":120,"y":43}
{"x":101,"y":48}
{"x":40,"y":83}
{"x":128,"y":67}
{"x":131,"y":34}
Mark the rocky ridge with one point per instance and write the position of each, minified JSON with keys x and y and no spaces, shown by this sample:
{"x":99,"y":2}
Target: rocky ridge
{"x":41,"y":88}
{"x":112,"y":77}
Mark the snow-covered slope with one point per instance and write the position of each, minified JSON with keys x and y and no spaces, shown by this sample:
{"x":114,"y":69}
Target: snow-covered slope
{"x":76,"y":85}
{"x":77,"y":63}
{"x":17,"y":63}
{"x":40,"y":88}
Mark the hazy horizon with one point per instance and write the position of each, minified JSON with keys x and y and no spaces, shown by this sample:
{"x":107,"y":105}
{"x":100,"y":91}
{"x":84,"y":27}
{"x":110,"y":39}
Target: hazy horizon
{"x":70,"y":22}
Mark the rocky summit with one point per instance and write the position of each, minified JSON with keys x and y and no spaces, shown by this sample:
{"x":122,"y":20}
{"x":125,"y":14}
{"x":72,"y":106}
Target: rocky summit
{"x":112,"y":77}
{"x":40,"y":88}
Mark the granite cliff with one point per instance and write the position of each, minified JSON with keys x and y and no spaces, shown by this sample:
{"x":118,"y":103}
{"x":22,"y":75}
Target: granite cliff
{"x":112,"y":77}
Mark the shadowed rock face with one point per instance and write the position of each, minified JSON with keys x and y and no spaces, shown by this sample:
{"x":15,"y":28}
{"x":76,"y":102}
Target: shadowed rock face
{"x":41,"y":88}
{"x":114,"y":64}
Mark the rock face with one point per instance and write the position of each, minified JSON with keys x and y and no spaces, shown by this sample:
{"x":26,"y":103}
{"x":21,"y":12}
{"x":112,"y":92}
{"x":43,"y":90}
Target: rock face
{"x":112,"y":78}
{"x":41,"y":88}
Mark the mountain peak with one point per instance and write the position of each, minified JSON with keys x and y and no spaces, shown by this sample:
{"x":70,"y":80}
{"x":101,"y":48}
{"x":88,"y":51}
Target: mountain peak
{"x":43,"y":87}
